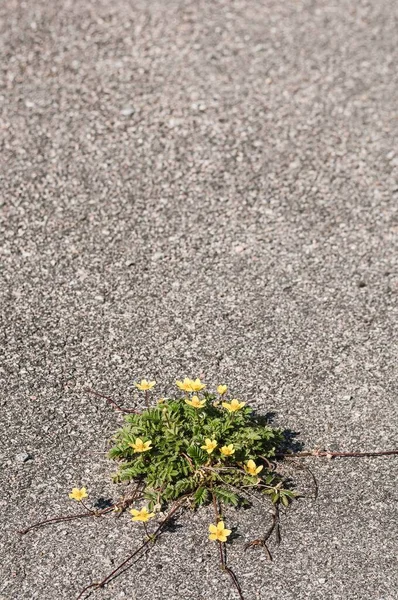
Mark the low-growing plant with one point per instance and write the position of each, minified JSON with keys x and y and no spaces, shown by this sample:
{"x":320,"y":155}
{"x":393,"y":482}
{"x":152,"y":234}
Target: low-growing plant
{"x":188,"y":451}
{"x":199,"y":446}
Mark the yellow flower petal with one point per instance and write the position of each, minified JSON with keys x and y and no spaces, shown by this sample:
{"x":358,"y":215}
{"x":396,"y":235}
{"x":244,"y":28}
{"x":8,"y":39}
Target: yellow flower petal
{"x":78,"y":494}
{"x":141,"y":515}
{"x":227,"y":532}
{"x":197,"y":385}
{"x":252,"y":469}
{"x":145,"y":385}
{"x":140,"y":446}
{"x":221,"y":389}
{"x":234,"y":405}
{"x":209,"y":445}
{"x":219,"y":532}
{"x":228,"y":450}
{"x":185,"y":385}
{"x":195,"y":402}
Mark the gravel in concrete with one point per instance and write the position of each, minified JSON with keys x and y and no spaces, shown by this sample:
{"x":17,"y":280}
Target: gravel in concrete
{"x":199,"y":188}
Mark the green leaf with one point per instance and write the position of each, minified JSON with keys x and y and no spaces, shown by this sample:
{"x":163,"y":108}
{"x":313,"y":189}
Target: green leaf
{"x":285,"y":500}
{"x":184,"y":485}
{"x":175,"y":430}
{"x":201,"y":496}
{"x":275,"y":497}
{"x":197,"y":454}
{"x":226,"y":496}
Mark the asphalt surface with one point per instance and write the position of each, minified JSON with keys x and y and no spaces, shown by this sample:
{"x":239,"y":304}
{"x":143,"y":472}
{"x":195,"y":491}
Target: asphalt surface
{"x":199,"y":188}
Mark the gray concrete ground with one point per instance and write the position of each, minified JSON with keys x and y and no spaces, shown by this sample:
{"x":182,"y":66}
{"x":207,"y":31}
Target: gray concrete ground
{"x":199,"y":188}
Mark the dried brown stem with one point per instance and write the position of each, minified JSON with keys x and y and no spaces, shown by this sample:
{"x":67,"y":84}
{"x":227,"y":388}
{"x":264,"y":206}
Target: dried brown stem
{"x":119,"y":569}
{"x":327,"y":454}
{"x":112,"y":402}
{"x":306,"y":468}
{"x":89,"y":513}
{"x":271,"y":466}
{"x":122,"y":505}
{"x":222,"y":552}
{"x":277,"y":525}
{"x":215,"y":505}
{"x":263,"y":541}
{"x":187,"y":458}
{"x":90,"y":510}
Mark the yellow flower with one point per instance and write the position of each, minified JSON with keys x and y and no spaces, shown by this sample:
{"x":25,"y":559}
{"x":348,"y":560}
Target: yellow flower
{"x":218,"y":532}
{"x":145,"y":385}
{"x":195,"y":402}
{"x":141,"y":515}
{"x":234,"y":405}
{"x":78,"y":495}
{"x":140,"y":446}
{"x":228,"y":450}
{"x":186,"y":385}
{"x":209,"y":445}
{"x":189,"y":385}
{"x":197,"y":385}
{"x":252,"y":468}
{"x":221,"y":389}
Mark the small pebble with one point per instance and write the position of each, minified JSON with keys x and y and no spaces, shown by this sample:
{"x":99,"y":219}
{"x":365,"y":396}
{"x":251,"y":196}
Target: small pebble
{"x":23,"y":457}
{"x":128,"y":111}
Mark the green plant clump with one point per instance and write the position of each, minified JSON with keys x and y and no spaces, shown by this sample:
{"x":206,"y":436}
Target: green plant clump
{"x":190,"y":451}
{"x":203,"y":448}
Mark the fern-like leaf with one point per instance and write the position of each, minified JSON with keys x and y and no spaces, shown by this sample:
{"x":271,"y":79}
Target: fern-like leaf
{"x":201,"y":496}
{"x":197,"y":454}
{"x":226,"y":496}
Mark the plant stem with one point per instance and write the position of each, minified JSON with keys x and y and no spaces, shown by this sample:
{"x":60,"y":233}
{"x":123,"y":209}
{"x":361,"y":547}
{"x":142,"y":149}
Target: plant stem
{"x":90,"y":510}
{"x":215,"y":505}
{"x":90,"y":513}
{"x":263,"y":541}
{"x":146,"y":530}
{"x":189,"y":460}
{"x":112,"y":402}
{"x":222,"y":552}
{"x":117,"y":571}
{"x":65,"y":518}
{"x":327,"y":454}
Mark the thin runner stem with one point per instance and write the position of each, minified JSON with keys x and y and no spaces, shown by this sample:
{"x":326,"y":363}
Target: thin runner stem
{"x":222,"y":553}
{"x":117,"y":571}
{"x":65,"y":518}
{"x":122,"y":504}
{"x":112,"y":402}
{"x":90,"y":510}
{"x":327,"y":454}
{"x":263,"y":541}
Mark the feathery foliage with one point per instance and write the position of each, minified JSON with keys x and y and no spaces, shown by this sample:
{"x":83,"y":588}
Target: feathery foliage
{"x":179,"y":463}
